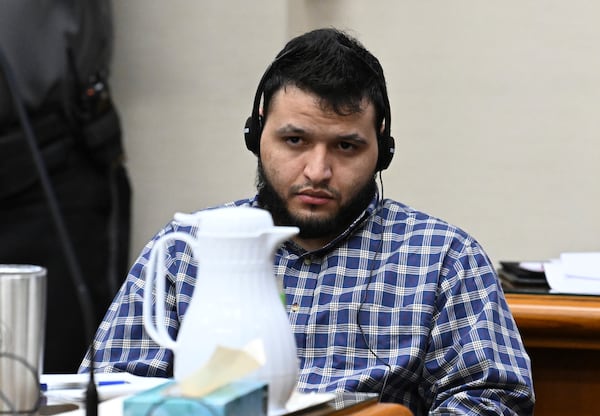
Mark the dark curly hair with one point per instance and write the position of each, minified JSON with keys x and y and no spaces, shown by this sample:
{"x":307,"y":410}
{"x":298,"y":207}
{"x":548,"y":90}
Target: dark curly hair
{"x":336,"y":68}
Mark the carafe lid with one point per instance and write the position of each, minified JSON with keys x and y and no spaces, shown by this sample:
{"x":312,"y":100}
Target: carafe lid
{"x":229,"y":221}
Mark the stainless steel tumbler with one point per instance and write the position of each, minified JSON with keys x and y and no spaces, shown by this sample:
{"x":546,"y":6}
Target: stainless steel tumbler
{"x":22,"y":327}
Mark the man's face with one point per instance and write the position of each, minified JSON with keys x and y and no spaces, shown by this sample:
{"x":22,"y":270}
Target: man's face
{"x":317,"y":167}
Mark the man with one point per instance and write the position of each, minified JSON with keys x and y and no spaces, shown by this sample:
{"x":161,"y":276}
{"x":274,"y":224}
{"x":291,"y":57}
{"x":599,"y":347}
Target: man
{"x":381,"y":298}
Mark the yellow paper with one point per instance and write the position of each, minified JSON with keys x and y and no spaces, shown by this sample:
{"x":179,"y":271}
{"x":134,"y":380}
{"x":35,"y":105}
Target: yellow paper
{"x":224,"y":366}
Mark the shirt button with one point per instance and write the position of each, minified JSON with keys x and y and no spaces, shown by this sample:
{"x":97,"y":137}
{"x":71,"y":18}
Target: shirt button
{"x":307,"y":261}
{"x":295,"y":307}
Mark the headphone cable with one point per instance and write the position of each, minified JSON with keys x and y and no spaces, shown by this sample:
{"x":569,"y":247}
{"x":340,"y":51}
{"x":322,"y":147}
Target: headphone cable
{"x":364,"y":298}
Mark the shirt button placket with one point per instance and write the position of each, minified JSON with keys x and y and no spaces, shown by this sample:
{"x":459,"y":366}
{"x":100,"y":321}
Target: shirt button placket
{"x":307,"y":261}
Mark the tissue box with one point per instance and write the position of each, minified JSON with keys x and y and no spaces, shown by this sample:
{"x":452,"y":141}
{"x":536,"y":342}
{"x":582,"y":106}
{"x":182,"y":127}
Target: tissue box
{"x":240,"y":398}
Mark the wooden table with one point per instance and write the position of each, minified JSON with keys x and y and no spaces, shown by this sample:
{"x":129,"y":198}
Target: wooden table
{"x":562,"y":336}
{"x":378,"y":409}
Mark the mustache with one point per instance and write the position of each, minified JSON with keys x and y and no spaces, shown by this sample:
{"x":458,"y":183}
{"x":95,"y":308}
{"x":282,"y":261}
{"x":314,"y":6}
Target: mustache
{"x":314,"y":189}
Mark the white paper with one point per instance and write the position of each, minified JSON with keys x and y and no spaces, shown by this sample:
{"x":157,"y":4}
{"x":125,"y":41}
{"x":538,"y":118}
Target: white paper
{"x":583,"y":265}
{"x":70,"y":388}
{"x":561,"y":282}
{"x":532,"y":266}
{"x":113,"y":407}
{"x":299,"y":401}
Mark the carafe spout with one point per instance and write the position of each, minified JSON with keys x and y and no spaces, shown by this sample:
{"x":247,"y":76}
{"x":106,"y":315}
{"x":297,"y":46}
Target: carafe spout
{"x":278,"y":235}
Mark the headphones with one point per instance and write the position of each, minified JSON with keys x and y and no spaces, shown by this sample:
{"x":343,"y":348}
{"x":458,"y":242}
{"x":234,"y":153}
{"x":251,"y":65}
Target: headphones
{"x":255,"y":123}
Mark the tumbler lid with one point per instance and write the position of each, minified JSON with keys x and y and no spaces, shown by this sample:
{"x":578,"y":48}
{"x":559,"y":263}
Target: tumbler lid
{"x":18,"y":269}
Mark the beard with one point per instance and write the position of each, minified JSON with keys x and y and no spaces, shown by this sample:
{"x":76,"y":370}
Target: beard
{"x":331,"y":226}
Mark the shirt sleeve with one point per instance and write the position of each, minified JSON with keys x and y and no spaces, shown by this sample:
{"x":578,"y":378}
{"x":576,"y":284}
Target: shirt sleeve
{"x":476,"y":362}
{"x":121,"y":342}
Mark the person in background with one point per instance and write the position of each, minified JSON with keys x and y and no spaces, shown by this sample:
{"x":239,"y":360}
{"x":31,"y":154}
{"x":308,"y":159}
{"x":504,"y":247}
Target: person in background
{"x":59,"y":54}
{"x":381,"y":297}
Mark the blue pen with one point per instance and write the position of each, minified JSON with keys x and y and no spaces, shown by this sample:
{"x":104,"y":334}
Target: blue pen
{"x":111,"y":382}
{"x":78,"y":385}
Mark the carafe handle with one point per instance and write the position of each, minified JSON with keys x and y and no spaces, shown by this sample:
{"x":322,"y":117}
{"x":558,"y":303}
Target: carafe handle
{"x":156,"y":264}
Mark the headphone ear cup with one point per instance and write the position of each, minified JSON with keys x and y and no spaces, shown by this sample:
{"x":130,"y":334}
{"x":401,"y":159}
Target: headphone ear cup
{"x":387,"y":147}
{"x":252,"y":132}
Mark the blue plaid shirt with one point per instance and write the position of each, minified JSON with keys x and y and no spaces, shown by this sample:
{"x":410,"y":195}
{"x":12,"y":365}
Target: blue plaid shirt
{"x":401,"y":304}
